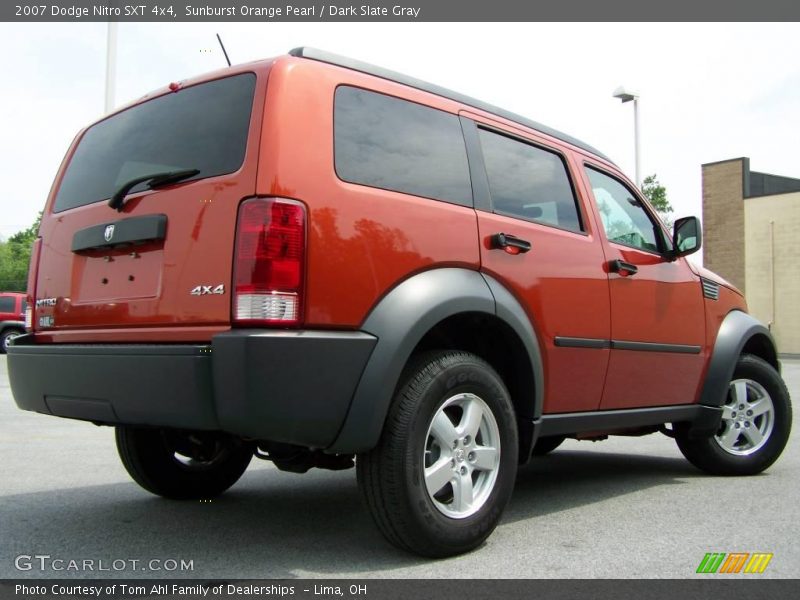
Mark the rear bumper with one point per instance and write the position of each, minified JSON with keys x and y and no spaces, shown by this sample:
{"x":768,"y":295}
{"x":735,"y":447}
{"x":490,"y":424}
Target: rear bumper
{"x":283,"y":386}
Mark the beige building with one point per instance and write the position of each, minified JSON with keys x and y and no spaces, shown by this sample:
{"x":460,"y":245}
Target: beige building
{"x":751,"y":237}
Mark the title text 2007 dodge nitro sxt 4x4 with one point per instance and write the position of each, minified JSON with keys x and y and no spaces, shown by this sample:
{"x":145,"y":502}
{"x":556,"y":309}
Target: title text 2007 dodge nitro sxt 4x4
{"x":312,"y":260}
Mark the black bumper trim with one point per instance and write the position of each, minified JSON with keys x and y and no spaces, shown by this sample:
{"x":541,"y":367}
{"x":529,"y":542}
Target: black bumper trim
{"x":287,"y":386}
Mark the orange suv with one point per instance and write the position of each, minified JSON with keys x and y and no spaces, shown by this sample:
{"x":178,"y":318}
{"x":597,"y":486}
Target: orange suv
{"x":322,"y":263}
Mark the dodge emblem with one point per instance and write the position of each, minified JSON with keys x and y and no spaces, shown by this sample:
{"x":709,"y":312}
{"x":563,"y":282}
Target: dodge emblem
{"x":109,"y":232}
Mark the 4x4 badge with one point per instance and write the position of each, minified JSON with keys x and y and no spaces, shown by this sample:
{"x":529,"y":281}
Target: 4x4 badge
{"x":109,"y":233}
{"x":204,"y":290}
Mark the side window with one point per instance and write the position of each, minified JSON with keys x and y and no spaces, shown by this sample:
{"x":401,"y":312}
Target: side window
{"x":624,"y":218}
{"x":397,"y":145}
{"x":7,"y":304}
{"x":528,"y":182}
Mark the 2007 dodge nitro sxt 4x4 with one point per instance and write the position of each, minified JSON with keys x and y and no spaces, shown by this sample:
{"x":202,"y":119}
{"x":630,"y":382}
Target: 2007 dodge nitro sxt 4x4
{"x":319,"y":262}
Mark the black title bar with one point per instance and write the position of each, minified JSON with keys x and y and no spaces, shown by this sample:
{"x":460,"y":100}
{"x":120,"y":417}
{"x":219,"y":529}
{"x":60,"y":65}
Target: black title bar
{"x":261,"y":11}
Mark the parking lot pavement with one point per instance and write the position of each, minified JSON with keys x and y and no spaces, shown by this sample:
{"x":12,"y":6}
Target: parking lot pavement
{"x":626,"y":507}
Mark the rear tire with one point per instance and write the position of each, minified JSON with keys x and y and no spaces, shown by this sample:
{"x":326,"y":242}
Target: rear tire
{"x":182,"y":465}
{"x":546,"y":445}
{"x":443,"y":471}
{"x":757,"y":419}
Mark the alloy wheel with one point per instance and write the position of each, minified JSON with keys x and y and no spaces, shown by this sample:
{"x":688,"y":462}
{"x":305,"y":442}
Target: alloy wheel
{"x":462,"y":456}
{"x":748,"y":417}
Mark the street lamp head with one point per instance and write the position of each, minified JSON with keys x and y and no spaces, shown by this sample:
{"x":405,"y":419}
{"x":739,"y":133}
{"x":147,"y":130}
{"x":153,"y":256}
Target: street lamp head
{"x":625,"y":95}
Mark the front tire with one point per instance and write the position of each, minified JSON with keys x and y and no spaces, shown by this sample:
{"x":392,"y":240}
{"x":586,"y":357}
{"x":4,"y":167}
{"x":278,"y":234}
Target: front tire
{"x":756,"y":422}
{"x":182,"y":465}
{"x":444,"y":468}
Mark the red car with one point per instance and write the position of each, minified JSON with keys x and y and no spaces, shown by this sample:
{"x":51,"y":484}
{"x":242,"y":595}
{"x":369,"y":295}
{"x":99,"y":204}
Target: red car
{"x":318,"y":262}
{"x":12,"y":317}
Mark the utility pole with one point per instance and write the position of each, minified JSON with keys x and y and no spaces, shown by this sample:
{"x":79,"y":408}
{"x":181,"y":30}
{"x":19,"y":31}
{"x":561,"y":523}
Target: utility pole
{"x":111,"y":65}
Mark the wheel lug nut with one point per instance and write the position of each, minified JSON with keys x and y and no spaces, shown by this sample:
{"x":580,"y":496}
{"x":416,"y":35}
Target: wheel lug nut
{"x":471,"y":456}
{"x":455,"y":443}
{"x":463,"y":470}
{"x":741,"y":407}
{"x":733,"y":415}
{"x":738,"y":425}
{"x":452,"y":462}
{"x":747,"y":423}
{"x":467,"y":440}
{"x":749,"y":413}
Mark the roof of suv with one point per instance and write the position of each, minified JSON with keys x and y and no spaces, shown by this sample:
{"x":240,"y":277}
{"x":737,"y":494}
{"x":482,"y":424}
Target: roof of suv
{"x":357,"y":65}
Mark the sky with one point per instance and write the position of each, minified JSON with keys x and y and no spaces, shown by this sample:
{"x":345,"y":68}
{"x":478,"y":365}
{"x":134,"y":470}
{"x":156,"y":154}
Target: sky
{"x":708,"y":92}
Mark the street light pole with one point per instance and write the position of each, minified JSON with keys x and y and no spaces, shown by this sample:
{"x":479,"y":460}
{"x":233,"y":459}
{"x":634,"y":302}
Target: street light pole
{"x":627,"y":96}
{"x":637,"y":154}
{"x":111,"y":65}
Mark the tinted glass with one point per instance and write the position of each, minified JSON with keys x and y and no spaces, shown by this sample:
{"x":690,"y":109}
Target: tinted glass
{"x":624,"y":218}
{"x":397,"y":145}
{"x":201,"y":127}
{"x":528,"y":182}
{"x":7,"y":304}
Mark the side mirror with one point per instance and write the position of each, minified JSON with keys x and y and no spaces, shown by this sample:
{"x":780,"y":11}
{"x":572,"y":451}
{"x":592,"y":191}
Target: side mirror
{"x":687,"y":236}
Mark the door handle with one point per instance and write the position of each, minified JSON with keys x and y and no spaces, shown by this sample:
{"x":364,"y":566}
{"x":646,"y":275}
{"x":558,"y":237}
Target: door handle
{"x":623,"y":268}
{"x":509,"y":243}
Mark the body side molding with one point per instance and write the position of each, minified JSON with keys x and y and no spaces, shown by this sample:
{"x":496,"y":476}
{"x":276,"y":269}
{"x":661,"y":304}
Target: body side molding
{"x":736,"y":330}
{"x":637,"y":346}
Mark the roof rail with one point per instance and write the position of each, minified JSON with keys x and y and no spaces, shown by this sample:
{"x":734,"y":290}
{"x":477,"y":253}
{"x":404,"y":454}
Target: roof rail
{"x":362,"y":67}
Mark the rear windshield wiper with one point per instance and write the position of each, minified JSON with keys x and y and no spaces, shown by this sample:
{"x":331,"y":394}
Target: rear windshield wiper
{"x":155,"y":180}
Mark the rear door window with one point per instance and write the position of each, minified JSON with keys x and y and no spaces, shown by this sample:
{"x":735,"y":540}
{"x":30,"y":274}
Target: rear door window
{"x":394,"y":144}
{"x":529,"y":182}
{"x":200,"y":127}
{"x":7,"y":304}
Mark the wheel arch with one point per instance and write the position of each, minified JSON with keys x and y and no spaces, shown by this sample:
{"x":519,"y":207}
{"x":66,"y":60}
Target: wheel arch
{"x":739,"y":333}
{"x":429,"y":307}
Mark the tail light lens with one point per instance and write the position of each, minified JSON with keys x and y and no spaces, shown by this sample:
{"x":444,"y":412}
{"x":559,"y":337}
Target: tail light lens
{"x":269,"y":268}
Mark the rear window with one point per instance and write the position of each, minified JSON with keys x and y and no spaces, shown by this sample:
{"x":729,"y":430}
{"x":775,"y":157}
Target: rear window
{"x":7,"y":304}
{"x":201,"y":127}
{"x":388,"y":143}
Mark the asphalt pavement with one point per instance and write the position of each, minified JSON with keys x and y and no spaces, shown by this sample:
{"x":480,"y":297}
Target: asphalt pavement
{"x":625,"y":507}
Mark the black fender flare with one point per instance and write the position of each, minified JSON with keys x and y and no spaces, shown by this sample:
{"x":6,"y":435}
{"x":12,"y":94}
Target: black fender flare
{"x":736,"y":330}
{"x":401,"y":319}
{"x":20,"y":325}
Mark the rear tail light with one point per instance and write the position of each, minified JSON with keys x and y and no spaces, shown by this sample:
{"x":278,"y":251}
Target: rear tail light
{"x":269,"y":266}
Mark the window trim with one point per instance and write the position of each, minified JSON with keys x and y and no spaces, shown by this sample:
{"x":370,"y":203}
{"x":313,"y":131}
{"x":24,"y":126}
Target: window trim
{"x":405,"y":193}
{"x":539,"y":146}
{"x":661,"y":240}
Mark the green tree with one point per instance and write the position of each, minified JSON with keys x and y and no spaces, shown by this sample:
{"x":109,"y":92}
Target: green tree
{"x":656,"y":194}
{"x":15,"y":255}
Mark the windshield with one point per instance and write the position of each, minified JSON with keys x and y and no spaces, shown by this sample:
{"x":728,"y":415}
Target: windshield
{"x":201,"y":127}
